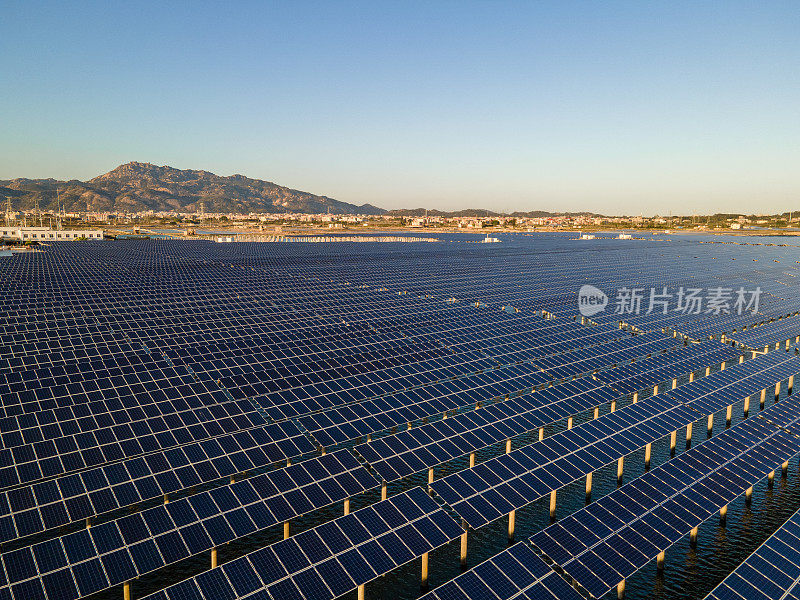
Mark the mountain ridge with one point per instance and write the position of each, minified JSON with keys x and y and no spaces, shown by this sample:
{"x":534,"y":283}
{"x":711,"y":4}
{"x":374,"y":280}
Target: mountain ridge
{"x":137,"y":186}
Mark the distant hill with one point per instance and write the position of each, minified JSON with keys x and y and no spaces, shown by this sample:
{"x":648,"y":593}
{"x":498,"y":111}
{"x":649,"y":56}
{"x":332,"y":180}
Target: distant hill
{"x":135,"y":187}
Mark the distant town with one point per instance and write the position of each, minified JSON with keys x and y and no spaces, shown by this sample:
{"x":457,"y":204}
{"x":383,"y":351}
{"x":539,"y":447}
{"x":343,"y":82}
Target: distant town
{"x":273,"y":222}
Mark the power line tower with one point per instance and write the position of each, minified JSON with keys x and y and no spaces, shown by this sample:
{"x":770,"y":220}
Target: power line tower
{"x":202,"y":210}
{"x":8,"y":211}
{"x":59,"y":223}
{"x":36,"y":212}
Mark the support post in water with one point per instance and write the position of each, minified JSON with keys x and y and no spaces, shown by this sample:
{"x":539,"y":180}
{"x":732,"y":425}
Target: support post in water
{"x":673,"y":438}
{"x":464,"y":545}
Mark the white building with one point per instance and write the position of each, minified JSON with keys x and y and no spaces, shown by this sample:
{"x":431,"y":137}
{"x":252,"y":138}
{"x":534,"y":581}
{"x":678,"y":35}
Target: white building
{"x":45,"y":234}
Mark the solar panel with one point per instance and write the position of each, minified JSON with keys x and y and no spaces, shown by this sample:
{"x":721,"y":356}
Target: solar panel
{"x":647,"y":373}
{"x":426,"y":446}
{"x":87,"y":494}
{"x":332,"y":559}
{"x":113,"y":552}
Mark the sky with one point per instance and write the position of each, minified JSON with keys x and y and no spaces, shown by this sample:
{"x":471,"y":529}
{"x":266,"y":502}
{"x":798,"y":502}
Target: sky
{"x":611,"y":107}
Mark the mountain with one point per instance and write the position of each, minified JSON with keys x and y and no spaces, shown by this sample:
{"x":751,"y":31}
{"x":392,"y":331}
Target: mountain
{"x":135,"y":187}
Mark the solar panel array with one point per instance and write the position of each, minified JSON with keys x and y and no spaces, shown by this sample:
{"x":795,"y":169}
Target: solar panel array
{"x":614,"y":537}
{"x":133,"y":373}
{"x":332,"y":559}
{"x":496,"y":487}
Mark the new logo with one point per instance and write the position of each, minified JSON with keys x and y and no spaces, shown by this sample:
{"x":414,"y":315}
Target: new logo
{"x":591,"y":300}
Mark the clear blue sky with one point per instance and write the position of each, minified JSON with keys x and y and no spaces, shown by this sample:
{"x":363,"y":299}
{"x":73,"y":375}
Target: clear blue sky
{"x":616,"y":107}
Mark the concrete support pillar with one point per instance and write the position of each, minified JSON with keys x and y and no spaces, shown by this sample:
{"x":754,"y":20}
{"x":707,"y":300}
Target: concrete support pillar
{"x":508,"y":446}
{"x":635,"y":398}
{"x":541,"y":433}
{"x":471,"y":459}
{"x":693,"y":537}
{"x":655,"y":391}
{"x":710,"y":426}
{"x":741,"y":359}
{"x":777,"y":391}
{"x":424,"y":581}
{"x":569,"y":422}
{"x":613,"y":406}
{"x":722,"y":366}
{"x":409,"y":425}
{"x":620,"y":465}
{"x":323,"y":451}
{"x":214,"y":562}
{"x":166,"y":498}
{"x":771,"y":479}
{"x":464,"y":545}
{"x":691,"y":377}
{"x":596,"y":412}
{"x":648,"y":450}
{"x":728,"y":416}
{"x":785,"y":469}
{"x":347,"y":506}
{"x":790,"y":385}
{"x":708,"y":371}
{"x":361,"y":592}
{"x":287,"y":529}
{"x":723,"y":515}
{"x":748,"y":495}
{"x":763,"y":399}
{"x":369,"y":436}
{"x":674,"y":383}
{"x":673,"y":438}
{"x":621,"y":590}
{"x":746,"y":406}
{"x":88,"y":522}
{"x":383,"y":491}
{"x":233,"y":479}
{"x":553,"y":505}
{"x":444,"y":415}
{"x":126,"y":590}
{"x":512,"y":518}
{"x":689,"y":435}
{"x":430,"y":475}
{"x":660,"y":561}
{"x":588,"y":488}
